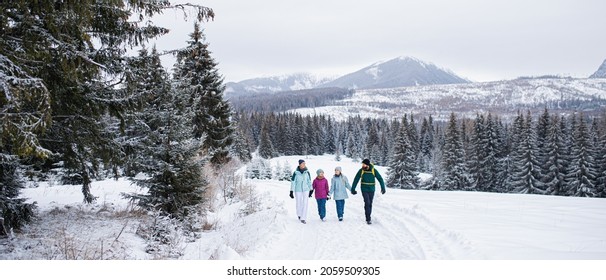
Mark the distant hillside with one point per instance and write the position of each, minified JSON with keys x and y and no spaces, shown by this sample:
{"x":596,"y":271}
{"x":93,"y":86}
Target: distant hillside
{"x":503,"y":97}
{"x":274,"y":84}
{"x":398,"y":72}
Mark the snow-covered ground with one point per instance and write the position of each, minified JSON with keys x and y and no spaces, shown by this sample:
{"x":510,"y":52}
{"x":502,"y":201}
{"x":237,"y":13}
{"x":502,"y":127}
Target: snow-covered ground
{"x":407,"y":225}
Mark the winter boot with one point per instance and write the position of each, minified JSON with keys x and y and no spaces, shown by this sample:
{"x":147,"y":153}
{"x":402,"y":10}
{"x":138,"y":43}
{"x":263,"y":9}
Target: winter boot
{"x":369,"y":222}
{"x":303,"y":222}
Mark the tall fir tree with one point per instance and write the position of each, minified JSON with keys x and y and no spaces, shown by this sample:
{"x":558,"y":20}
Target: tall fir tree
{"x":403,"y":168}
{"x":266,"y":148}
{"x":167,"y":150}
{"x":526,"y":171}
{"x":601,"y":158}
{"x":581,"y":171}
{"x":453,"y":155}
{"x":199,"y":77}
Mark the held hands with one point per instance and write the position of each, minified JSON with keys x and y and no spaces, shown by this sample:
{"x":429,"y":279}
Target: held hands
{"x":328,"y":197}
{"x":291,"y":195}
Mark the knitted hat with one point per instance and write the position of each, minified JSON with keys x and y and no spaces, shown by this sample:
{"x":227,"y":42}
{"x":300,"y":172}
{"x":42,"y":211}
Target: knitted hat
{"x":319,"y":171}
{"x":301,"y":161}
{"x":366,"y":161}
{"x":338,"y":168}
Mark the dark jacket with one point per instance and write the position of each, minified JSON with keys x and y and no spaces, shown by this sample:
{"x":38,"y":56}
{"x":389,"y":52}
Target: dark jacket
{"x":368,"y":180}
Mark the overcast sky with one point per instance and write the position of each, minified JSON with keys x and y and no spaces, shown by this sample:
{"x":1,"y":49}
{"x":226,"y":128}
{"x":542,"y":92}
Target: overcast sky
{"x":482,"y":40}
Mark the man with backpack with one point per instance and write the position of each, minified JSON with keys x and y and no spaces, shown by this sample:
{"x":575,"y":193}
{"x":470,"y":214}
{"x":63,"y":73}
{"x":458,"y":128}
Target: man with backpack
{"x":367,"y":174}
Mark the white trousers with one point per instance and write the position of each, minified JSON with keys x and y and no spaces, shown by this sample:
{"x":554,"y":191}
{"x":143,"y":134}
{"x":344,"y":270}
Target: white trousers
{"x":302,"y":199}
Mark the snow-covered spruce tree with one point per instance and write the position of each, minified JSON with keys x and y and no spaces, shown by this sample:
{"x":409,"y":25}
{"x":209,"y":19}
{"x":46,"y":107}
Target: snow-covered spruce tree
{"x":286,"y":174}
{"x":79,"y":50}
{"x":330,"y":146}
{"x":485,"y":149}
{"x":403,"y":168}
{"x":240,"y":147}
{"x":24,"y":116}
{"x":601,"y":158}
{"x":525,"y":172}
{"x":199,"y":78}
{"x":146,"y":79}
{"x":581,"y":173}
{"x":426,"y":145}
{"x":168,"y":153}
{"x":351,"y":150}
{"x":553,"y":169}
{"x":339,"y":152}
{"x":266,"y":148}
{"x":476,"y":153}
{"x":371,"y":141}
{"x":453,"y":166}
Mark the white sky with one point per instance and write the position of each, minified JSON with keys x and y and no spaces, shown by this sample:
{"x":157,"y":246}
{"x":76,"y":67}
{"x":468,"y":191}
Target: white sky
{"x":479,"y":40}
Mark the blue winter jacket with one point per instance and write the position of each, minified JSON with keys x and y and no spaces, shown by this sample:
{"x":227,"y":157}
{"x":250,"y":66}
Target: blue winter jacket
{"x":338,"y":187}
{"x":300,"y":181}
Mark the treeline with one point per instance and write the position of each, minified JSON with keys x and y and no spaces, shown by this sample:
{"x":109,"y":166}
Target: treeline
{"x":76,"y":104}
{"x":549,"y":154}
{"x":284,"y":101}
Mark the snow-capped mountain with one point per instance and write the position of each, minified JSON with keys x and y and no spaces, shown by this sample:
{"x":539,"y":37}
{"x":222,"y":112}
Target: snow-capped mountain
{"x":297,"y":81}
{"x":398,"y":72}
{"x":601,"y":73}
{"x":505,"y":98}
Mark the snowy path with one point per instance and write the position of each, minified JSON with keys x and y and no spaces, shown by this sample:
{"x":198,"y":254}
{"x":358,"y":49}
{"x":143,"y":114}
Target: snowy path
{"x":398,"y":232}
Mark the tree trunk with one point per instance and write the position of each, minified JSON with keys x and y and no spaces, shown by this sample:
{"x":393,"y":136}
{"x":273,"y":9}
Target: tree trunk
{"x":3,"y":231}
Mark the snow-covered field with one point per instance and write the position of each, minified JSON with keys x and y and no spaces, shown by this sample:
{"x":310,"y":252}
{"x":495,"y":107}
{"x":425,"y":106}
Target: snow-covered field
{"x":407,"y":225}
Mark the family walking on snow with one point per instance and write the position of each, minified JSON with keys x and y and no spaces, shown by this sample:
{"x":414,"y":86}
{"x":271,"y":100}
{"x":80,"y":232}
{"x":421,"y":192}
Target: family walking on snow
{"x":302,"y":188}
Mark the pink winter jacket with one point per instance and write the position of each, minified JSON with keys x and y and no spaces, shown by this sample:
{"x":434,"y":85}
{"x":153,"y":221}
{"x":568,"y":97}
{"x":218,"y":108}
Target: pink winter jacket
{"x":320,"y":187}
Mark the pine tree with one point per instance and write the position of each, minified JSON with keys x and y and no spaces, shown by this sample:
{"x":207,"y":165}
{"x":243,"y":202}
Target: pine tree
{"x":554,"y":164}
{"x":266,"y":148}
{"x":526,"y":172}
{"x":581,"y":171}
{"x":403,"y":172}
{"x":455,"y":177}
{"x":339,"y":152}
{"x":372,"y":140}
{"x":168,"y":152}
{"x":201,"y":80}
{"x":240,"y":147}
{"x":426,"y":145}
{"x":352,"y":151}
{"x":601,"y":158}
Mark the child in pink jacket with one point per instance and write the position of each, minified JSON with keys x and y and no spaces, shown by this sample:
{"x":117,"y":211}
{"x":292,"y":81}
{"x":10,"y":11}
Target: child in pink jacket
{"x":320,"y":186}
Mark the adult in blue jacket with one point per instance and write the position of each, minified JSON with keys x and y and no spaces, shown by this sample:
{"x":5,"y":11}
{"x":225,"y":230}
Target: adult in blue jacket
{"x":300,"y":188}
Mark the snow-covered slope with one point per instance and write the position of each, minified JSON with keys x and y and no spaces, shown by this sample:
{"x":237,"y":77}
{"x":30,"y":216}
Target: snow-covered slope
{"x":503,"y":97}
{"x":397,"y":72}
{"x":407,"y":225}
{"x":435,"y":225}
{"x":274,"y":84}
{"x":600,"y":73}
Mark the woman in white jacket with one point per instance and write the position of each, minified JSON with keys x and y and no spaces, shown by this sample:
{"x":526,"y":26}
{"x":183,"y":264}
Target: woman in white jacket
{"x":338,"y":191}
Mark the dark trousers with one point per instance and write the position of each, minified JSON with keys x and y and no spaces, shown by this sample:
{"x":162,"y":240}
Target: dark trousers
{"x":340,"y":207}
{"x":321,"y":207}
{"x":368,"y":197}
